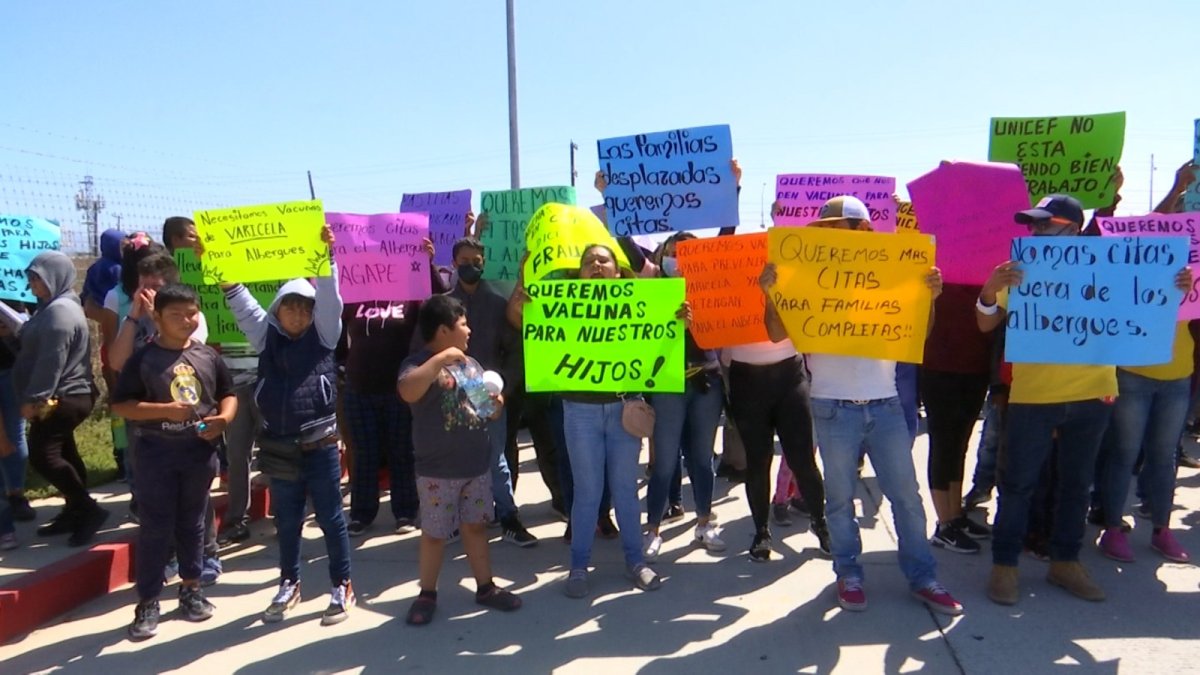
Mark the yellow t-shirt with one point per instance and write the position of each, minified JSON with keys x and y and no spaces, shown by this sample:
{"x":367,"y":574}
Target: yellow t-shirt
{"x":1058,"y":383}
{"x":1180,"y":365}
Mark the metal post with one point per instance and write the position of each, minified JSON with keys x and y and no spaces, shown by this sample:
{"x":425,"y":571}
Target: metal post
{"x":574,"y":173}
{"x":514,"y":152}
{"x":311,"y":193}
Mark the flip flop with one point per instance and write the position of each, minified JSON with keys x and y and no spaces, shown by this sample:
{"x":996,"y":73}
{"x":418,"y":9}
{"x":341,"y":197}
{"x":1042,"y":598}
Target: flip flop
{"x":421,"y":612}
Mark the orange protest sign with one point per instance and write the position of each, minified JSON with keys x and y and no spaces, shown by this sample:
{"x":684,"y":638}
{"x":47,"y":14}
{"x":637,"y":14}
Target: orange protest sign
{"x":906,"y":218}
{"x":722,"y":287}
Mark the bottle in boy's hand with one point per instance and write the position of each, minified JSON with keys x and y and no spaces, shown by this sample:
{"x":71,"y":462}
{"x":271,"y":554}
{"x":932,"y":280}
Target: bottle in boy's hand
{"x":471,"y":381}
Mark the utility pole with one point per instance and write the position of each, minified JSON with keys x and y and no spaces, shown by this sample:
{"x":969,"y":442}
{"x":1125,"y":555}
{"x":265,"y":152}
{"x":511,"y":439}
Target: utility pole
{"x":574,"y":173}
{"x":514,"y":152}
{"x":91,"y":204}
{"x":311,"y":193}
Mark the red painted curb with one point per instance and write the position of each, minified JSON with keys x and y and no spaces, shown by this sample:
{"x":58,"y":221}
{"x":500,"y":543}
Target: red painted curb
{"x":34,"y":599}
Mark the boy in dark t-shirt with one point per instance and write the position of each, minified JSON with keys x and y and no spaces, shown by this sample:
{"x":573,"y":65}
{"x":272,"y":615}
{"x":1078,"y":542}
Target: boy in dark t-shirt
{"x":452,"y":449}
{"x":179,"y":395}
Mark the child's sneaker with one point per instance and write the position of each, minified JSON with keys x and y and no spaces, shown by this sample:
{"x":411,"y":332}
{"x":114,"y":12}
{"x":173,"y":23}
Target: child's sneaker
{"x":193,"y":605}
{"x":341,"y":599}
{"x":8,"y":541}
{"x":286,"y":599}
{"x":644,"y":578}
{"x":937,"y":598}
{"x":145,"y":620}
{"x":210,"y":571}
{"x":577,"y":584}
{"x":1114,"y":544}
{"x":706,"y":536}
{"x":1165,"y":543}
{"x":850,"y":594}
{"x":651,"y":547}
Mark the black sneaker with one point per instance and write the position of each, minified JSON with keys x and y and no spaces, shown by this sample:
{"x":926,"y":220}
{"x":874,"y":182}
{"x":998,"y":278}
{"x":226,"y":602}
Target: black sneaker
{"x":516,"y":533}
{"x":821,"y":529}
{"x":760,"y":550}
{"x":779,"y":513}
{"x":1188,"y":462}
{"x":607,"y":528}
{"x":87,"y":526}
{"x":405,"y":525}
{"x":951,"y":538}
{"x":976,"y":497}
{"x":234,"y":534}
{"x":971,"y":528}
{"x":800,"y":506}
{"x":356,"y":529}
{"x":674,"y":513}
{"x":63,"y":523}
{"x":145,"y":620}
{"x":1096,"y":516}
{"x":22,"y":512}
{"x":193,"y":605}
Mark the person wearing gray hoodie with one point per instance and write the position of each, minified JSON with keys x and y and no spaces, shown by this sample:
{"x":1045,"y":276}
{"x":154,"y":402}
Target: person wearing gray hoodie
{"x":53,"y":381}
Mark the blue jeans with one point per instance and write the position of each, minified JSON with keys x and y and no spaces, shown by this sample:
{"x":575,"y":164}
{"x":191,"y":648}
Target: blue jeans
{"x":686,"y":421}
{"x":12,"y":468}
{"x":600,"y":448}
{"x":320,"y":474}
{"x":502,"y":487}
{"x":1030,"y":436}
{"x":1149,"y":417}
{"x":990,"y":436}
{"x":842,"y":428}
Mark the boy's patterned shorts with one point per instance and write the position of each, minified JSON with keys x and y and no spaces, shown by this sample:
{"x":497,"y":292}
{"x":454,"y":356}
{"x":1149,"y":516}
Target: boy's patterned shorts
{"x":448,"y":502}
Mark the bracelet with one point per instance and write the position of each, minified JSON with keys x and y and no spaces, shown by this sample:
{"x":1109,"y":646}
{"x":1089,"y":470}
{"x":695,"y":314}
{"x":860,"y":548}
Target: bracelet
{"x":986,"y":310}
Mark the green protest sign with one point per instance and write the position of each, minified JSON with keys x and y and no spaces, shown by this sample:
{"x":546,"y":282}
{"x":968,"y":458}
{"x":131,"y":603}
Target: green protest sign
{"x":222,"y":327}
{"x":1074,"y":154}
{"x":508,"y":213}
{"x":616,"y":335}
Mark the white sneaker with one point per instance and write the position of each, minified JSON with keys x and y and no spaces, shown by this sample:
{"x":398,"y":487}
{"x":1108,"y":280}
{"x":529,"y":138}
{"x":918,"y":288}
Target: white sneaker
{"x":706,"y":535}
{"x":284,"y":602}
{"x":651,"y":545}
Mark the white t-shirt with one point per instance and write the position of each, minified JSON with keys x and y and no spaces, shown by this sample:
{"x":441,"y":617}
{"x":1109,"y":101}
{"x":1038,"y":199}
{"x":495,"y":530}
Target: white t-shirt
{"x":112,"y":302}
{"x":760,"y":353}
{"x":850,"y":378}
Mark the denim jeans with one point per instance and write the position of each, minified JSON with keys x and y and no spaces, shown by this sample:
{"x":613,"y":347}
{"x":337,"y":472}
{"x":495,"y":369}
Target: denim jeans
{"x":502,"y":486}
{"x":842,"y":428}
{"x":1030,"y":437}
{"x":686,"y":421}
{"x":320,"y":474}
{"x":1148,"y":417}
{"x":995,"y":412}
{"x":600,"y":448}
{"x":12,"y":468}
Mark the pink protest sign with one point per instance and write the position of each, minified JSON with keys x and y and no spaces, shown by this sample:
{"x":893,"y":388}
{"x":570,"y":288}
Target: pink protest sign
{"x":382,"y":256}
{"x":447,"y":218}
{"x":800,"y":195}
{"x":969,"y":207}
{"x":1169,"y":225}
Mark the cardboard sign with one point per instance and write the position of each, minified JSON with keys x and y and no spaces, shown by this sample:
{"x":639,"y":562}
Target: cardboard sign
{"x":222,"y":327}
{"x":906,"y":219}
{"x":447,"y":219}
{"x":557,"y":237}
{"x":800,"y":196}
{"x":263,"y":243}
{"x":853,"y":293}
{"x":22,"y":238}
{"x":669,"y":180}
{"x":722,"y":288}
{"x":508,"y":214}
{"x":1090,"y":300}
{"x":1162,"y":224}
{"x":381,"y":256}
{"x":1075,"y":155}
{"x":618,"y":335}
{"x":968,"y":207}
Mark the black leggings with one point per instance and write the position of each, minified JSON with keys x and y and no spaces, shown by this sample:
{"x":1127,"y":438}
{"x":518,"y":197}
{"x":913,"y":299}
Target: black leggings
{"x":952,"y":405}
{"x":769,"y":399}
{"x":53,"y":453}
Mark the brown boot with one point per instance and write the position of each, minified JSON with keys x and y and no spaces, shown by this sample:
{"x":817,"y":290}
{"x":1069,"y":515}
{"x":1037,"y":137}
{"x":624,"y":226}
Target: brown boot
{"x":1002,"y":585}
{"x":1072,"y":576}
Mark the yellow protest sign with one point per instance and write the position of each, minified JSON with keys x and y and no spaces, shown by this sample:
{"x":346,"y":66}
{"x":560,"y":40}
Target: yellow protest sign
{"x":852,"y":293}
{"x":557,"y":236}
{"x":906,"y":218}
{"x":263,"y":243}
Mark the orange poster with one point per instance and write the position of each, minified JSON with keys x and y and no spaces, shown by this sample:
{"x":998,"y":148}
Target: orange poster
{"x":722,"y":287}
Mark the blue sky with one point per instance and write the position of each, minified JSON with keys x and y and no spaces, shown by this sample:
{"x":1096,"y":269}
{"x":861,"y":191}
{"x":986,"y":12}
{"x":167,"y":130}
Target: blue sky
{"x":179,"y":106}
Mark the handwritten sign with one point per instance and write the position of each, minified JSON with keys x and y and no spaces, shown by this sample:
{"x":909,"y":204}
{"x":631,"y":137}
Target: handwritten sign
{"x":1162,"y":224}
{"x":557,"y":237}
{"x":906,"y":219}
{"x":853,"y":293}
{"x":604,"y":335}
{"x":263,"y":243}
{"x":447,"y":219}
{"x":1191,"y":198}
{"x":1074,"y":155}
{"x":1106,"y":301}
{"x":800,"y":196}
{"x":722,"y":287}
{"x":669,"y":180}
{"x":968,"y":207}
{"x":382,"y":256}
{"x":222,"y":327}
{"x":22,"y":238}
{"x":508,"y":214}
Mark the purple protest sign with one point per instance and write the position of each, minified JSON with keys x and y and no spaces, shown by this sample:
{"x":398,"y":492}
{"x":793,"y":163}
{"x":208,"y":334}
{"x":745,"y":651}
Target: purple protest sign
{"x":800,"y":196}
{"x":447,"y":218}
{"x":1169,"y":225}
{"x":382,"y":256}
{"x":969,"y":207}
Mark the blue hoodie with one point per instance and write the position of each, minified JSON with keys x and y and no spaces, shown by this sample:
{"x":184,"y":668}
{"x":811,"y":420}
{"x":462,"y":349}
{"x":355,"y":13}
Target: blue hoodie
{"x":105,"y":273}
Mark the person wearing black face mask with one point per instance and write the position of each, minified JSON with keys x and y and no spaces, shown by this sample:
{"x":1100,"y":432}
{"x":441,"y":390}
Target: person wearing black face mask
{"x":495,"y":344}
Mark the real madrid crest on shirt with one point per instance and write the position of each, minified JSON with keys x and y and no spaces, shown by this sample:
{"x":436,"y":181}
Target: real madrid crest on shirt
{"x":185,"y":387}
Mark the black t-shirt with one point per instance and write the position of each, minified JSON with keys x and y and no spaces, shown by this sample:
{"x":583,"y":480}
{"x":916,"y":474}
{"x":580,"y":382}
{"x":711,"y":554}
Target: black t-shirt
{"x":449,"y":439}
{"x":155,"y":374}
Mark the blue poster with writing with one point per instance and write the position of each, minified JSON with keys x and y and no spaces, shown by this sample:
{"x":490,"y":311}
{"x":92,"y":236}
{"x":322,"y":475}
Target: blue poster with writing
{"x":1094,"y":300}
{"x":21,"y":239}
{"x":669,"y":181}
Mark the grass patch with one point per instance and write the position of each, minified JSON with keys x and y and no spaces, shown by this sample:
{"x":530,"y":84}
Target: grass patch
{"x":94,"y":438}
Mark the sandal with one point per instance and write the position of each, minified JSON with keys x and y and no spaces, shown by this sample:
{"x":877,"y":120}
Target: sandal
{"x":421,"y":611}
{"x":500,"y":599}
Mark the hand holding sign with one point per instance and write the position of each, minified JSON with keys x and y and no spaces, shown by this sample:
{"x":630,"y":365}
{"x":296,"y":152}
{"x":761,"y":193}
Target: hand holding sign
{"x":381,"y":257}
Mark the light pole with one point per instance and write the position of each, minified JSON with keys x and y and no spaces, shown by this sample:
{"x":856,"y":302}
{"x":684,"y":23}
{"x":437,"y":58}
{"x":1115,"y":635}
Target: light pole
{"x":514,"y":152}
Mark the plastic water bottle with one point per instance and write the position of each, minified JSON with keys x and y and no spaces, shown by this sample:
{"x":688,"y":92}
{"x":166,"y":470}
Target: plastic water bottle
{"x":471,"y":382}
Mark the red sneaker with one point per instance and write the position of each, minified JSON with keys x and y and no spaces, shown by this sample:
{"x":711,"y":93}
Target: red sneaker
{"x":939,"y":599}
{"x":851,"y":596}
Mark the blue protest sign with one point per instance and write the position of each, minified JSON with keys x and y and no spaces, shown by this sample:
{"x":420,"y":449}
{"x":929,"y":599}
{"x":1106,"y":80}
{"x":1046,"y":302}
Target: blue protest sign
{"x":669,"y":180}
{"x":21,"y":239}
{"x":1095,"y":300}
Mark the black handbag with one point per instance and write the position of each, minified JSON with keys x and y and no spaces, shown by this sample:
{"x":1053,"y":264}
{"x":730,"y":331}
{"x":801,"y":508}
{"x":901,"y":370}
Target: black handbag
{"x":279,"y":459}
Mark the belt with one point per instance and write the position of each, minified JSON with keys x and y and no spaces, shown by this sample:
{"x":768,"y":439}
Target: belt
{"x":860,"y":402}
{"x":331,"y":439}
